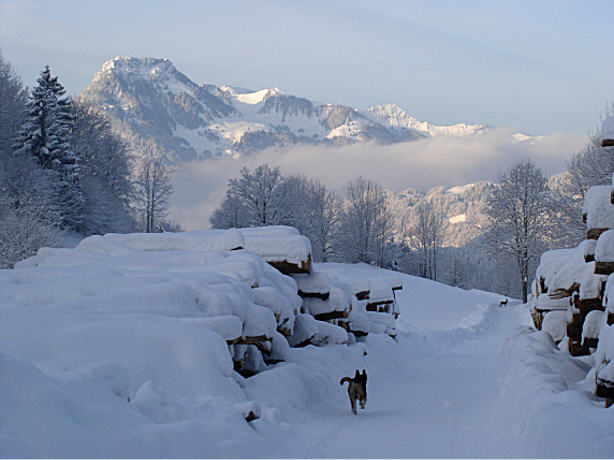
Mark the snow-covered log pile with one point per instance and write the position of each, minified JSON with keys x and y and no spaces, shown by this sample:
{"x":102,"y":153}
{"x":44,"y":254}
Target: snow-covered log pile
{"x":281,"y":246}
{"x":361,"y":297}
{"x":583,"y":278}
{"x":217,"y":279}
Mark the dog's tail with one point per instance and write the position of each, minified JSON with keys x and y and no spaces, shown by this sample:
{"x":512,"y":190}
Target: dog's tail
{"x":344,"y":379}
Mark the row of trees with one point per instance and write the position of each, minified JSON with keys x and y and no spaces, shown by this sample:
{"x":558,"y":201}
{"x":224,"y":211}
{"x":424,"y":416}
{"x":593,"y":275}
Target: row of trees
{"x":358,"y":229}
{"x":62,"y":169}
{"x":356,"y":226}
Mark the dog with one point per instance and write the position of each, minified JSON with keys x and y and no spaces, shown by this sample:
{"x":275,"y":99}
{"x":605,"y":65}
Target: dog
{"x":357,"y":389}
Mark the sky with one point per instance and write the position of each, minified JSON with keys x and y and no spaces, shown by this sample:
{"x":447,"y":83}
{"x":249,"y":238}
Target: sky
{"x":539,"y":67}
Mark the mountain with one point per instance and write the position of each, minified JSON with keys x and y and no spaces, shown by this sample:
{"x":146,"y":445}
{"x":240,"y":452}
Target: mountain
{"x":149,"y":100}
{"x":462,"y":208}
{"x":392,"y":116}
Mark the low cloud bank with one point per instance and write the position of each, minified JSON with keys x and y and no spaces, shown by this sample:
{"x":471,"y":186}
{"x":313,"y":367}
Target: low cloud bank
{"x":448,"y":161}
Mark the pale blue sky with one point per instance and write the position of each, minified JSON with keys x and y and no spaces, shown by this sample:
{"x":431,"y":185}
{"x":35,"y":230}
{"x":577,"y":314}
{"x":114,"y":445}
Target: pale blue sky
{"x":535,"y":66}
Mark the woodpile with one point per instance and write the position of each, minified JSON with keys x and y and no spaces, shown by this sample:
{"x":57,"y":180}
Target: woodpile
{"x":344,"y":296}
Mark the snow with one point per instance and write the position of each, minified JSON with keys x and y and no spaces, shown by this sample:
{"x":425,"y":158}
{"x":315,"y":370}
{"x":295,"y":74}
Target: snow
{"x":590,"y":284}
{"x":458,"y":218}
{"x":592,"y":324}
{"x":604,"y":250}
{"x":338,"y":301}
{"x":277,"y":245}
{"x":597,"y":208}
{"x":459,"y":189}
{"x":571,"y":271}
{"x":111,"y":351}
{"x":257,"y":96}
{"x":555,"y":324}
{"x":545,"y":302}
{"x":314,"y":283}
{"x":393,"y":116}
{"x":550,"y":264}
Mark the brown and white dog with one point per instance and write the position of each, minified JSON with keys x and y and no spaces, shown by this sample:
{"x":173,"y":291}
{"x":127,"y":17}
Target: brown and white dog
{"x":357,"y":389}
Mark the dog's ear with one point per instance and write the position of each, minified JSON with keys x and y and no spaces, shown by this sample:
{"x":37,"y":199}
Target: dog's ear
{"x":364,"y":372}
{"x":357,"y":374}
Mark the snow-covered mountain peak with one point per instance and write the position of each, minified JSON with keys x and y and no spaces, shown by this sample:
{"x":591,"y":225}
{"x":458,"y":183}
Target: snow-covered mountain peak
{"x":393,"y":116}
{"x":258,"y":96}
{"x":141,"y":67}
{"x":148,"y":99}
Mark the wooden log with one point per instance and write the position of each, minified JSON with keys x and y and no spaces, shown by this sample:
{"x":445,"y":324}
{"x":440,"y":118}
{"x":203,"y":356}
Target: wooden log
{"x":590,"y":342}
{"x":314,"y":295}
{"x":604,"y":268}
{"x":594,"y":233}
{"x":610,"y":318}
{"x":587,"y":305}
{"x":538,"y":318}
{"x":363,"y":295}
{"x":589,"y":258}
{"x":289,"y":267}
{"x":348,"y":327}
{"x":574,"y":328}
{"x":576,"y":348}
{"x":262,"y":342}
{"x":605,"y":389}
{"x":607,"y":142}
{"x":332,"y":315}
{"x":612,"y":197}
{"x":543,"y":289}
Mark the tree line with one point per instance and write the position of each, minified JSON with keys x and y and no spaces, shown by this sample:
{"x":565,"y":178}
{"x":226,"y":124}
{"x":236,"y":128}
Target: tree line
{"x":356,"y":225}
{"x":62,"y":169}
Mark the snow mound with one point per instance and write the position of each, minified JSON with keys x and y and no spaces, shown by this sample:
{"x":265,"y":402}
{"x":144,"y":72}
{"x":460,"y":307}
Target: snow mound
{"x":598,"y":211}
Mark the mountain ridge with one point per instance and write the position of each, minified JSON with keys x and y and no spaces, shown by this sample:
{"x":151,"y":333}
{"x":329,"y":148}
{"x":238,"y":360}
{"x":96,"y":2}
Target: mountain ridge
{"x":149,"y":99}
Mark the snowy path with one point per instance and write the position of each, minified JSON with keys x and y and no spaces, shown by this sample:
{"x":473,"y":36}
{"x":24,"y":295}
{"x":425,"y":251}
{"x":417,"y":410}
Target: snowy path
{"x":440,"y":406}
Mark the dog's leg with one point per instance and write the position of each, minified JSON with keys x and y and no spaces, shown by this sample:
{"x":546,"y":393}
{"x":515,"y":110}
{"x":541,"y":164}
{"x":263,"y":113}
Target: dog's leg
{"x":353,"y":403}
{"x":363,"y":402}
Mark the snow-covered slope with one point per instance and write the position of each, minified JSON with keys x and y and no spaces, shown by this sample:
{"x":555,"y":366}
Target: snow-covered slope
{"x":142,"y":370}
{"x":148,"y":99}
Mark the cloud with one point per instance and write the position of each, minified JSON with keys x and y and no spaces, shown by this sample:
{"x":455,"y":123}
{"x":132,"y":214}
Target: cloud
{"x":448,"y":161}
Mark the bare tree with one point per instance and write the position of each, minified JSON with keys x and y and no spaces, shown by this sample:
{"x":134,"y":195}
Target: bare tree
{"x":260,"y":193}
{"x":152,"y":190}
{"x":519,"y":218}
{"x":427,"y":233}
{"x":366,"y":225}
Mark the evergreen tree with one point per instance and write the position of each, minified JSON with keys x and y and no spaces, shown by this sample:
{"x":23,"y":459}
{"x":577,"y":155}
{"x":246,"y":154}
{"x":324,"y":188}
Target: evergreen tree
{"x":46,"y":136}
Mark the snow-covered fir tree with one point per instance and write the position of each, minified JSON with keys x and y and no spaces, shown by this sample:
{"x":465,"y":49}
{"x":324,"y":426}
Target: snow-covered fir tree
{"x":46,"y":136}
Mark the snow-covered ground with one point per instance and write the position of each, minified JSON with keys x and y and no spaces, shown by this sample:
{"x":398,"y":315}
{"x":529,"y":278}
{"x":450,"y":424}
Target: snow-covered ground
{"x":465,"y":377}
